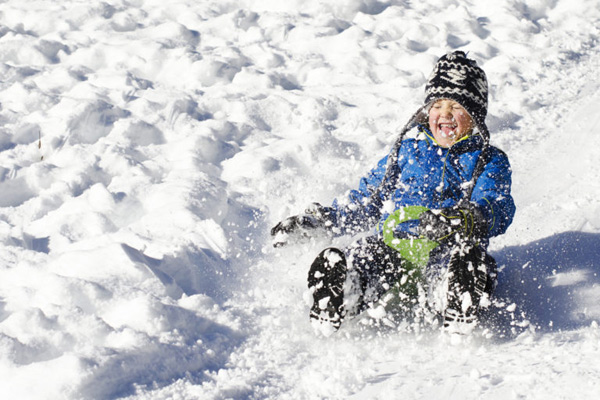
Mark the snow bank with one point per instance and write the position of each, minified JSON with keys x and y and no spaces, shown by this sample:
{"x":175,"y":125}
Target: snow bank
{"x":146,"y":149}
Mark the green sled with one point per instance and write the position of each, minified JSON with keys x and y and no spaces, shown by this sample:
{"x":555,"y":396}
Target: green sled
{"x":415,"y":254}
{"x":414,"y":250}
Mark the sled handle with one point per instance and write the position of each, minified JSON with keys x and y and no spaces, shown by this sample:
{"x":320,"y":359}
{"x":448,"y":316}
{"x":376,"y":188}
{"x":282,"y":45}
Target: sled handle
{"x":415,"y":249}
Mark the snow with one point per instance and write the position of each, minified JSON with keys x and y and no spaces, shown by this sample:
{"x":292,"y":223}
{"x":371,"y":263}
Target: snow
{"x":147,"y":148}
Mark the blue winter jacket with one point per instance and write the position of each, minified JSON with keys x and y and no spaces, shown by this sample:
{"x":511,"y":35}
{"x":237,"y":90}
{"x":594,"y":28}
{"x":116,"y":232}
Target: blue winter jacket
{"x":431,"y":176}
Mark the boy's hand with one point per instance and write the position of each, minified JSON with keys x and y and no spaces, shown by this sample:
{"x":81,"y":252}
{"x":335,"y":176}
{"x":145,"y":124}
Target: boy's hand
{"x":295,"y":223}
{"x":301,"y":227}
{"x":454,"y":223}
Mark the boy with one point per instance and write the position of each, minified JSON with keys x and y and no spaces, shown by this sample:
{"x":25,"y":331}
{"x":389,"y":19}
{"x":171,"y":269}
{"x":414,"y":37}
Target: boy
{"x":434,"y":201}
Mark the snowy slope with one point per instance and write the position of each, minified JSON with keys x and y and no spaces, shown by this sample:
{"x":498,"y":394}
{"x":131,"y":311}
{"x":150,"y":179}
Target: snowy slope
{"x":147,"y":147}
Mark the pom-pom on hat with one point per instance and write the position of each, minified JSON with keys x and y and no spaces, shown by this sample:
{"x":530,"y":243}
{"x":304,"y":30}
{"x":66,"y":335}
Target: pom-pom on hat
{"x":459,"y":78}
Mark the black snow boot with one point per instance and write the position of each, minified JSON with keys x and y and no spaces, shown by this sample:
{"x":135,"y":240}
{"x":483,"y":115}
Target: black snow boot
{"x":471,"y":281}
{"x":326,"y":281}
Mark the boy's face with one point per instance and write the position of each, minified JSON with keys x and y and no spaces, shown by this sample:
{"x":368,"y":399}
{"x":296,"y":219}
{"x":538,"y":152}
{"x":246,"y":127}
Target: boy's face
{"x":449,"y":122}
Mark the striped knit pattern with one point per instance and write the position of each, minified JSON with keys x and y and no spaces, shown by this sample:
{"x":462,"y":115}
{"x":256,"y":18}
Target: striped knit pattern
{"x":459,"y":78}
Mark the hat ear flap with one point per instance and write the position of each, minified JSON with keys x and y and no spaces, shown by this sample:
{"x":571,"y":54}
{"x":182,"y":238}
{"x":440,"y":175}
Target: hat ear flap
{"x":422,"y":115}
{"x":483,"y":130}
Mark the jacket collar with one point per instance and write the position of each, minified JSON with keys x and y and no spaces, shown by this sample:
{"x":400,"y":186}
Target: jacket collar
{"x":465,"y":144}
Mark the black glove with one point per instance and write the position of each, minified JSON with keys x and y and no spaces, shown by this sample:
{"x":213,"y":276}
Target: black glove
{"x":458,"y":223}
{"x":301,"y":227}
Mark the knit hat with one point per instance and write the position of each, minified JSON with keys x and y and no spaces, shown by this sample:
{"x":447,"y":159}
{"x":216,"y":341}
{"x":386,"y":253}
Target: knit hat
{"x":458,"y":78}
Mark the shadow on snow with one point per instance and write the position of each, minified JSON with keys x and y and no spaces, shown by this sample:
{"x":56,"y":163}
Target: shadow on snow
{"x":554,"y":281}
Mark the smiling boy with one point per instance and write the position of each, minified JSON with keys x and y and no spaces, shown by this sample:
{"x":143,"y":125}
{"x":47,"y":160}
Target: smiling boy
{"x":431,"y":204}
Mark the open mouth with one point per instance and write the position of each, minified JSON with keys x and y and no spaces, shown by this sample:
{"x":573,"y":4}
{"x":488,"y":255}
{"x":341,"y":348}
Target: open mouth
{"x":447,"y":129}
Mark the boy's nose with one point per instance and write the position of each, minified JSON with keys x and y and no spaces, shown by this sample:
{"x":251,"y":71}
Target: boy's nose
{"x":446,"y":110}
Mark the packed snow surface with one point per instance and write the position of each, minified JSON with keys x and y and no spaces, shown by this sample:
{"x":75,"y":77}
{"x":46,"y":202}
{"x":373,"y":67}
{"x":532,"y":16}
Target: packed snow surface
{"x":148,"y":146}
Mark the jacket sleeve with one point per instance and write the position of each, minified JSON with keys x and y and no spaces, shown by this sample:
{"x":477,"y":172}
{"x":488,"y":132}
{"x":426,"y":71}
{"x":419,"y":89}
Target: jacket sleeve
{"x":360,"y":210}
{"x":492,"y":193}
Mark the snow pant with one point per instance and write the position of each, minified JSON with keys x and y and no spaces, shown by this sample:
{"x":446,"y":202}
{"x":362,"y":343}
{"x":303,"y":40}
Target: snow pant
{"x":372,"y":268}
